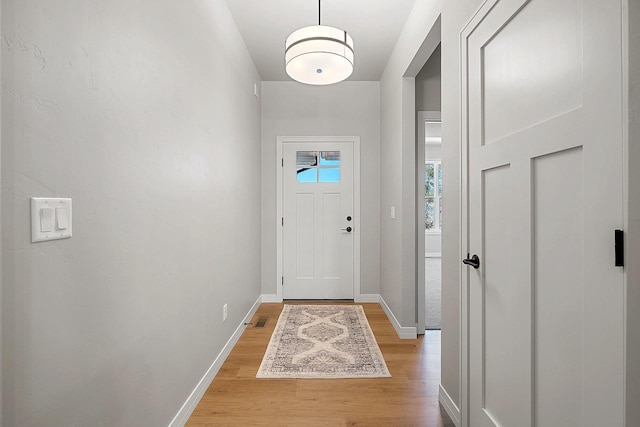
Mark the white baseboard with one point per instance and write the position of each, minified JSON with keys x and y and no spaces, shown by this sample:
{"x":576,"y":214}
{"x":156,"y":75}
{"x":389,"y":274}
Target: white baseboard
{"x":270,"y":298}
{"x":360,"y":298}
{"x":185,"y":412}
{"x":404,"y":332}
{"x":367,"y":298}
{"x":448,"y":405}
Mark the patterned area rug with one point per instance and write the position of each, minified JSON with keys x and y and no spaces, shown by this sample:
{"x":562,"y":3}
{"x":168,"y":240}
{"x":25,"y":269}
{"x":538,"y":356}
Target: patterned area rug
{"x":323,"y":341}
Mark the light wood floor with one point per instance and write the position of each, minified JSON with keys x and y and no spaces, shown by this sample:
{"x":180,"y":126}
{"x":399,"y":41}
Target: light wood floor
{"x":409,"y":398}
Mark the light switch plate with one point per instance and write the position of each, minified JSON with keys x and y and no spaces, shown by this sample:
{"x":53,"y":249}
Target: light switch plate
{"x":58,"y":207}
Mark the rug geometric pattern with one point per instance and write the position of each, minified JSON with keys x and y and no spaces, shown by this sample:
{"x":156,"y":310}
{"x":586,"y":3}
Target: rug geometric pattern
{"x":323,"y":341}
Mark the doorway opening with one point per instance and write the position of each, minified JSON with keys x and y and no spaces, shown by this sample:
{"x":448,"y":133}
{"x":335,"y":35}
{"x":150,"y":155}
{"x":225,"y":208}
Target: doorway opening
{"x":433,"y":224}
{"x":429,"y":191}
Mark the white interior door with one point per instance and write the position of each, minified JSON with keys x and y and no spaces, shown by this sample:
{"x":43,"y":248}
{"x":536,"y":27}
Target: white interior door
{"x":545,"y":307}
{"x":319,"y":222}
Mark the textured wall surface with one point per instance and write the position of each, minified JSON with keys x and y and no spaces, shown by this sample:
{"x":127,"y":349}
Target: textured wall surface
{"x":143,"y":113}
{"x":345,"y":109}
{"x":397,"y":179}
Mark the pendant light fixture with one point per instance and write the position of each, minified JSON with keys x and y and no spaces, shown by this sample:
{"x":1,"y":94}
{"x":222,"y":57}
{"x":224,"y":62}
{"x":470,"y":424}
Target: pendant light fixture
{"x":319,"y":55}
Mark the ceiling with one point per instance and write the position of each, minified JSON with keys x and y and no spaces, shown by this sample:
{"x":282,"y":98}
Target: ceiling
{"x":374,"y":25}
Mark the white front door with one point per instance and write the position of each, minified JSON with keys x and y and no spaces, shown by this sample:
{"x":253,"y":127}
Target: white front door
{"x":318,"y":220}
{"x":543,"y":92}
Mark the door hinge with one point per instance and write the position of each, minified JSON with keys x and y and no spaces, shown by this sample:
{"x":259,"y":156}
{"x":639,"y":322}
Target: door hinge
{"x":282,"y":280}
{"x":283,"y":162}
{"x":283,"y":221}
{"x":619,"y":247}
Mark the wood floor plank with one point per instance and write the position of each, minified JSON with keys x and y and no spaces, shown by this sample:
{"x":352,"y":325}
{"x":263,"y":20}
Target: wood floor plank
{"x":409,"y":398}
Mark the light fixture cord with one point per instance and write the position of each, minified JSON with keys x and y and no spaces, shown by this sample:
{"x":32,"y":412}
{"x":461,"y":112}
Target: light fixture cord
{"x":319,"y":12}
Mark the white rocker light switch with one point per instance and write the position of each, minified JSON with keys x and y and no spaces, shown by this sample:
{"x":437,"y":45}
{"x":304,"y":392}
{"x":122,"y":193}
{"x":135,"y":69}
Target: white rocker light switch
{"x":46,"y":220}
{"x":62,"y":218}
{"x":51,"y":219}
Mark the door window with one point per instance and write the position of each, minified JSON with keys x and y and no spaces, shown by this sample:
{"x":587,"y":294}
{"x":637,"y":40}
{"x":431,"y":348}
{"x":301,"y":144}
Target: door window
{"x":318,"y":166}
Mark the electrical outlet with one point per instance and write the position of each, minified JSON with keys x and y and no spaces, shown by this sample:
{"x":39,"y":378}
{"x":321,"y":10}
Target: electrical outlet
{"x":224,"y":313}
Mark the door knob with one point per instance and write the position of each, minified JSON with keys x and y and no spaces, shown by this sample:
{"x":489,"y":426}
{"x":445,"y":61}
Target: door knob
{"x":474,"y":261}
{"x":348,"y":229}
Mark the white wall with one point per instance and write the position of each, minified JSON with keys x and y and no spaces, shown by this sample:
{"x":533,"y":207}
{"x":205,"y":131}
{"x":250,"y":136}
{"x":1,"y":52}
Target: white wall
{"x":433,"y":151}
{"x":143,"y":112}
{"x":633,"y":230}
{"x":398,"y":246}
{"x":454,"y":16}
{"x":428,"y":84}
{"x":433,"y":244}
{"x":344,"y":109}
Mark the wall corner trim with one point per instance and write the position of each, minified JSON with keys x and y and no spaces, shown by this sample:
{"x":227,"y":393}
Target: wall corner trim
{"x":271,"y":298}
{"x":404,"y":332}
{"x":194,"y":398}
{"x":448,"y":405}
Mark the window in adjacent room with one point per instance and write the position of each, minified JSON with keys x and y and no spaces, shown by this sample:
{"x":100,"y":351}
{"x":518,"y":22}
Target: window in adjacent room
{"x":433,"y":196}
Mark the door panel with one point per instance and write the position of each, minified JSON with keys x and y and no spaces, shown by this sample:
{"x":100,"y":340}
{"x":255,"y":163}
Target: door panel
{"x":304,"y":237}
{"x":522,"y":72}
{"x":497,"y":299}
{"x":331,"y":235}
{"x":559,"y":279}
{"x":542,"y":91}
{"x":317,"y":198}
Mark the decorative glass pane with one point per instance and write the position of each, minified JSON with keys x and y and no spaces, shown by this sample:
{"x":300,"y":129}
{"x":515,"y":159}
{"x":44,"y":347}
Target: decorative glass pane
{"x":440,"y":180}
{"x":307,"y":175}
{"x":329,"y":174}
{"x":306,"y":158}
{"x":429,"y":213}
{"x":329,"y":158}
{"x":429,"y":180}
{"x":440,"y":208}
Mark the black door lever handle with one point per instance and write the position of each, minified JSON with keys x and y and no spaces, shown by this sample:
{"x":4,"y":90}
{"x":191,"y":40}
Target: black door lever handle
{"x":474,"y":261}
{"x":619,"y":248}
